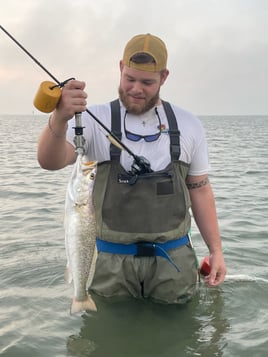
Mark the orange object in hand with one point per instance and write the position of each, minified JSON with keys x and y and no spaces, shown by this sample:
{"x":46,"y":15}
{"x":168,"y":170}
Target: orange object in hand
{"x":47,"y":97}
{"x":205,"y":266}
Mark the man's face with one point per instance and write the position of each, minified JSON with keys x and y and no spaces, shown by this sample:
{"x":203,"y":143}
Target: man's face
{"x":139,"y":90}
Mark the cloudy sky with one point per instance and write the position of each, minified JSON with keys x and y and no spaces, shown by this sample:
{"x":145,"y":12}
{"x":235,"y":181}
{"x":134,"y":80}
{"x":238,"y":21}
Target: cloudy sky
{"x":218,"y":50}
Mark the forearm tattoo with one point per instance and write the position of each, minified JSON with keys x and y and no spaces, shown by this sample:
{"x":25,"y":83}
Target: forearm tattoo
{"x":199,"y":184}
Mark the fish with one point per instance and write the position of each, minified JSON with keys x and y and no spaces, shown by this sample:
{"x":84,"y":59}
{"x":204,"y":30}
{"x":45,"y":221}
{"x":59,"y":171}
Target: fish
{"x":80,"y":233}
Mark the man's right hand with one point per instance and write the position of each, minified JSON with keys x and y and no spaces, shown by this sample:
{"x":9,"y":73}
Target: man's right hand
{"x":73,"y":100}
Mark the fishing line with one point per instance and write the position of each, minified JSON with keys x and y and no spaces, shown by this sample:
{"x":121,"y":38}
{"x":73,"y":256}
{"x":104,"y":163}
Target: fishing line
{"x":143,"y":164}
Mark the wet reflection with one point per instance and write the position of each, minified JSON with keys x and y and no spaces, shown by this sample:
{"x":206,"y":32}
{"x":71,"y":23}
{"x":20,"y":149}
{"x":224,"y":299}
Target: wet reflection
{"x":140,"y":328}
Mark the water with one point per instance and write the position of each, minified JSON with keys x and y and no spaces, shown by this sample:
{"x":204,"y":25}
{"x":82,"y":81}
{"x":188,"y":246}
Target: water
{"x":34,"y":300}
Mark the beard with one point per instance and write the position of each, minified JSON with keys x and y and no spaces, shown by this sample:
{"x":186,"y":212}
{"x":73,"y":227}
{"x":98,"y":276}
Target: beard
{"x":136,"y":108}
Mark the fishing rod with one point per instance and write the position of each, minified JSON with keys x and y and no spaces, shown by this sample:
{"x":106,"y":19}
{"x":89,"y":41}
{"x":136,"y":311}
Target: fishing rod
{"x":142,"y":164}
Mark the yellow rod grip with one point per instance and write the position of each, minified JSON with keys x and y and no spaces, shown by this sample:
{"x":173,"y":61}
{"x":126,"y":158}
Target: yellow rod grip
{"x":46,"y":98}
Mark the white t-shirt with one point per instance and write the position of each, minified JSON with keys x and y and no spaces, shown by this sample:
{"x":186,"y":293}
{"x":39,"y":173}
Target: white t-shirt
{"x":192,"y":139}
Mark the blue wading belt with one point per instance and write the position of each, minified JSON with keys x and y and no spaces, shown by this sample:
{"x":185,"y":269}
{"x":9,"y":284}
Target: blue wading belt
{"x":144,"y":249}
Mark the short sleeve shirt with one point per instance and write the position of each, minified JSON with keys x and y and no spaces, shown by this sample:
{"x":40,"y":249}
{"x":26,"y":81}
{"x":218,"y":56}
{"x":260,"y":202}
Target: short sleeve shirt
{"x":192,"y":139}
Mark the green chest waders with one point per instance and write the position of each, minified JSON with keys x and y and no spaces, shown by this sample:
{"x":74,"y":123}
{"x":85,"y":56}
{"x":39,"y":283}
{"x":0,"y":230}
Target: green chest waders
{"x":142,"y":226}
{"x":155,"y":207}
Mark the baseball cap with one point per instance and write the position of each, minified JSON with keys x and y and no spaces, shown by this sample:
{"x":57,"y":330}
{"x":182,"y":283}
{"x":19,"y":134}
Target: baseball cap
{"x":149,"y":44}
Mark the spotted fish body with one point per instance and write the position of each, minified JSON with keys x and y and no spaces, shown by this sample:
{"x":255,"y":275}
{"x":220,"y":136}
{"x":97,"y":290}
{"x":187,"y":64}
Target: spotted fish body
{"x":80,"y":233}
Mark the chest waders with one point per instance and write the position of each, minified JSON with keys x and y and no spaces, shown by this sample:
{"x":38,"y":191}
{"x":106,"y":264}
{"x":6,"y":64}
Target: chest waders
{"x":150,"y":207}
{"x":145,"y":215}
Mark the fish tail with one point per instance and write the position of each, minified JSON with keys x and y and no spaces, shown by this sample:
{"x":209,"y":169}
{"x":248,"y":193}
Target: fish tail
{"x":86,"y":305}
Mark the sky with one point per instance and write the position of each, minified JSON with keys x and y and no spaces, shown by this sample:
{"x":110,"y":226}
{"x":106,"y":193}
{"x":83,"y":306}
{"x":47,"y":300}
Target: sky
{"x":217,"y":50}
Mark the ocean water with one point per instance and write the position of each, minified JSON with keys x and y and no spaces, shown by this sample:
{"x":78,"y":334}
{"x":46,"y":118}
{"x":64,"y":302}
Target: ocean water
{"x":231,"y":320}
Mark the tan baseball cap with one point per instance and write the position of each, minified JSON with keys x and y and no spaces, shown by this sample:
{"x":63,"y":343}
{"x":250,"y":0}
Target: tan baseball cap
{"x":150,"y":44}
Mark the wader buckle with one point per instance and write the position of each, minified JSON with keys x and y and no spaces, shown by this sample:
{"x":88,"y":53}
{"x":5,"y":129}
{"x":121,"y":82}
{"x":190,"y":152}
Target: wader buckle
{"x":145,"y":249}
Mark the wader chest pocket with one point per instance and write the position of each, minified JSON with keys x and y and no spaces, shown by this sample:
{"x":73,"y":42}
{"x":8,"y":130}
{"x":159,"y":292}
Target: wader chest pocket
{"x":164,"y":187}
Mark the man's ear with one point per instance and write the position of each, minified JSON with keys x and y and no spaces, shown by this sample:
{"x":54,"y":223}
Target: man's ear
{"x":121,"y":65}
{"x":164,"y":74}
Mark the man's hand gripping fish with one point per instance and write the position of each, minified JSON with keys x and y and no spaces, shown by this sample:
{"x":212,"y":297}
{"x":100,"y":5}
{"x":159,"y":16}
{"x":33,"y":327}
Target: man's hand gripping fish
{"x":80,"y":233}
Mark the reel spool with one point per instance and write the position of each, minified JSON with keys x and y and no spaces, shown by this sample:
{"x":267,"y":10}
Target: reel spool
{"x":47,"y":97}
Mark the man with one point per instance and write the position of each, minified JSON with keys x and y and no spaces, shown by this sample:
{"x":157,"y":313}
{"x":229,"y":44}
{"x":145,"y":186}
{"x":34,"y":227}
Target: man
{"x":142,"y":214}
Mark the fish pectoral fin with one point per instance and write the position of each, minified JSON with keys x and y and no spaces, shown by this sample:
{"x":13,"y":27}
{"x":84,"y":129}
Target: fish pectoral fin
{"x":85,"y":305}
{"x":68,"y":275}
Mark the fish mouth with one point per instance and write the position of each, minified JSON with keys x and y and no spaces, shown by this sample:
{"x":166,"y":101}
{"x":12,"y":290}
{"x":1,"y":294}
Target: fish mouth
{"x":89,"y":166}
{"x":90,"y":163}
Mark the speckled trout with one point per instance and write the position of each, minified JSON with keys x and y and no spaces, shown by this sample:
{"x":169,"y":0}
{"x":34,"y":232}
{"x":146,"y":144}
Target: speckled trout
{"x":80,"y":233}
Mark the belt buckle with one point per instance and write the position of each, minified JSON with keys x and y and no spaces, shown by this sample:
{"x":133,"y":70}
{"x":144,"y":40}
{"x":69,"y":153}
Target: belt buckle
{"x":145,"y":249}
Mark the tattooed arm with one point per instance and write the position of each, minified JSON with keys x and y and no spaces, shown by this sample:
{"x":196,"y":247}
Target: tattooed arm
{"x":204,"y":212}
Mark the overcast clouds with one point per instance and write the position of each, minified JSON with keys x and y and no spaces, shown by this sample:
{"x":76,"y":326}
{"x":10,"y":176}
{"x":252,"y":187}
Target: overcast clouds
{"x":218,"y":49}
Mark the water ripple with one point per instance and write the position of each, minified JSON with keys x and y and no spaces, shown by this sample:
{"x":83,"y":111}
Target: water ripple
{"x":34,"y":299}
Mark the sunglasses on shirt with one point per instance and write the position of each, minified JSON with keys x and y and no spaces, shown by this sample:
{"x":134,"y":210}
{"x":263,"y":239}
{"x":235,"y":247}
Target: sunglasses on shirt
{"x":148,"y":138}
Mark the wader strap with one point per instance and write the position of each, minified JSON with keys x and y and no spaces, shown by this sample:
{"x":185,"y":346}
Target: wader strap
{"x":174,"y":133}
{"x":143,"y":249}
{"x":115,"y":152}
